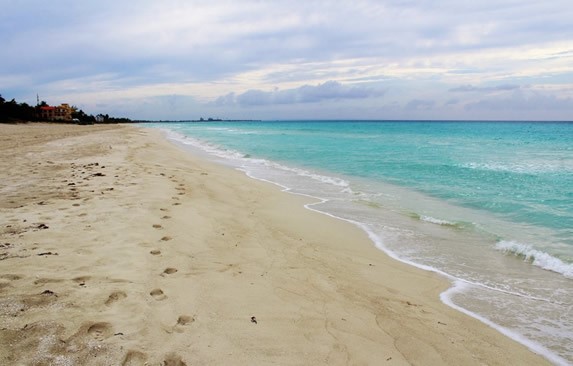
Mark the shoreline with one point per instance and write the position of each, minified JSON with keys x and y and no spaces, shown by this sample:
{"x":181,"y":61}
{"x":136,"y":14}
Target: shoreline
{"x":218,"y":265}
{"x":456,"y":285}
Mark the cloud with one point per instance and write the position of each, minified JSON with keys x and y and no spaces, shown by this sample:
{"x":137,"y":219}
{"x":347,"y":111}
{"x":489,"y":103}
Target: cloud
{"x":233,"y":53}
{"x":330,"y":90}
{"x":519,"y":101}
{"x":471,"y":88}
{"x":419,"y":104}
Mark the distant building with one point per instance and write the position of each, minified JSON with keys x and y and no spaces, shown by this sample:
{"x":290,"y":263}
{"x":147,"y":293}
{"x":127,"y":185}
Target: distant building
{"x":63,"y":113}
{"x":100,"y":118}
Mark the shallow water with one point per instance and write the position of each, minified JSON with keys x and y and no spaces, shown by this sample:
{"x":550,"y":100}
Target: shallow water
{"x":488,"y":204}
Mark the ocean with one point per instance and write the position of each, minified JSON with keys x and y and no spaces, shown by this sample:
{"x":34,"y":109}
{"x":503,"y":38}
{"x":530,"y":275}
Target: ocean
{"x":487,"y":204}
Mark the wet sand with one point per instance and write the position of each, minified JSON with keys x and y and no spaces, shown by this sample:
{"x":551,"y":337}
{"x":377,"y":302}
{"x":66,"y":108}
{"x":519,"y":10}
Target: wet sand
{"x":119,"y":248}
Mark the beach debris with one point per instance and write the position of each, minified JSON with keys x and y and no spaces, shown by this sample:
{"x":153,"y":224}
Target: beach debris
{"x":442,"y":323}
{"x":47,"y":253}
{"x":254,"y":320}
{"x":81,"y":280}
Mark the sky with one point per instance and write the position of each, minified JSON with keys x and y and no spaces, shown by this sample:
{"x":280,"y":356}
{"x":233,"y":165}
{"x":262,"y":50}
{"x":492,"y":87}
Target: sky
{"x":395,"y":59}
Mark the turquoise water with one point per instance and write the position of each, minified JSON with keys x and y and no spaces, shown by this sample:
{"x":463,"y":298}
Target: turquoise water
{"x":489,"y":204}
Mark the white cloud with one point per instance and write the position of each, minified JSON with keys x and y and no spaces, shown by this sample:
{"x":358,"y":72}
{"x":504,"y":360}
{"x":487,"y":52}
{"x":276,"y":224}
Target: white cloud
{"x":523,"y":101}
{"x":472,"y":88}
{"x":244,"y":50}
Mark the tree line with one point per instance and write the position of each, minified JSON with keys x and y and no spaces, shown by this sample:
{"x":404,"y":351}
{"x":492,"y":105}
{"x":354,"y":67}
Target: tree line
{"x":12,"y":111}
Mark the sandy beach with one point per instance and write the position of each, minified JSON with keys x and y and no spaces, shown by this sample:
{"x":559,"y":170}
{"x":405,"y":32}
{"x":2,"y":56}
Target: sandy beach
{"x":119,"y":248}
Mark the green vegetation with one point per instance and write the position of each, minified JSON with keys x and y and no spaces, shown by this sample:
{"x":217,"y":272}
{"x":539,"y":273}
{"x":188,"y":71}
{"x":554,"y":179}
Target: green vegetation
{"x":13,"y":112}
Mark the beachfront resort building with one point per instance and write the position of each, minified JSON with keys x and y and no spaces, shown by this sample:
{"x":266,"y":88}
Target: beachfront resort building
{"x":63,"y":112}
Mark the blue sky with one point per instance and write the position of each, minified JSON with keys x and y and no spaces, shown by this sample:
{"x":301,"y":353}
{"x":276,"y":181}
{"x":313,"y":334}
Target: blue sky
{"x":399,"y":59}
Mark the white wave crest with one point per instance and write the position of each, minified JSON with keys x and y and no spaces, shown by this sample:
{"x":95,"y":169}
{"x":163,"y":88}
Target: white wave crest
{"x":238,"y":156}
{"x":532,"y":167}
{"x":318,"y":177}
{"x":536,"y":257}
{"x":433,"y":220}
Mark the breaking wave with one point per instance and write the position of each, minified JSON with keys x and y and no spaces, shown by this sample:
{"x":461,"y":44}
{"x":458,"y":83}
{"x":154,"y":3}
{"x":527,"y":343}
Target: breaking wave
{"x":536,"y":257}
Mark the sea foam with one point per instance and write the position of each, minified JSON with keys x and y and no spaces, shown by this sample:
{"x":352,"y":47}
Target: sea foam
{"x":434,"y":220}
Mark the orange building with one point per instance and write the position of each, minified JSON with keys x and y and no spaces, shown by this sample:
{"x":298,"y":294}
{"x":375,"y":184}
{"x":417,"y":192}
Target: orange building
{"x":63,"y":112}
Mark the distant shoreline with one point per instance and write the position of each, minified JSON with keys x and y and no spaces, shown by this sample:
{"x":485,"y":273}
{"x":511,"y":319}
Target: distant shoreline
{"x":17,"y":121}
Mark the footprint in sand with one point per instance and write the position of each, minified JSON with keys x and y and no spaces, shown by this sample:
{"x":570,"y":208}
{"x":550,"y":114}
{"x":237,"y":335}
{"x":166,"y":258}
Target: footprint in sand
{"x":42,"y":281}
{"x":173,"y":360}
{"x":169,"y":270}
{"x":185,"y":320}
{"x":158,"y":294}
{"x":81,"y":280}
{"x":155,"y":252}
{"x":166,"y":238}
{"x":182,"y":322}
{"x":176,"y":204}
{"x":100,"y":331}
{"x":162,"y":209}
{"x":11,"y":277}
{"x":166,"y":217}
{"x":157,"y":226}
{"x":134,"y":358}
{"x":115,"y":296}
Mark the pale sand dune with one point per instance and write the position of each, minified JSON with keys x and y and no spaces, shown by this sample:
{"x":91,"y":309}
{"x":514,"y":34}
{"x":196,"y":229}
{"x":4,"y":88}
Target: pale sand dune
{"x":117,"y":248}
